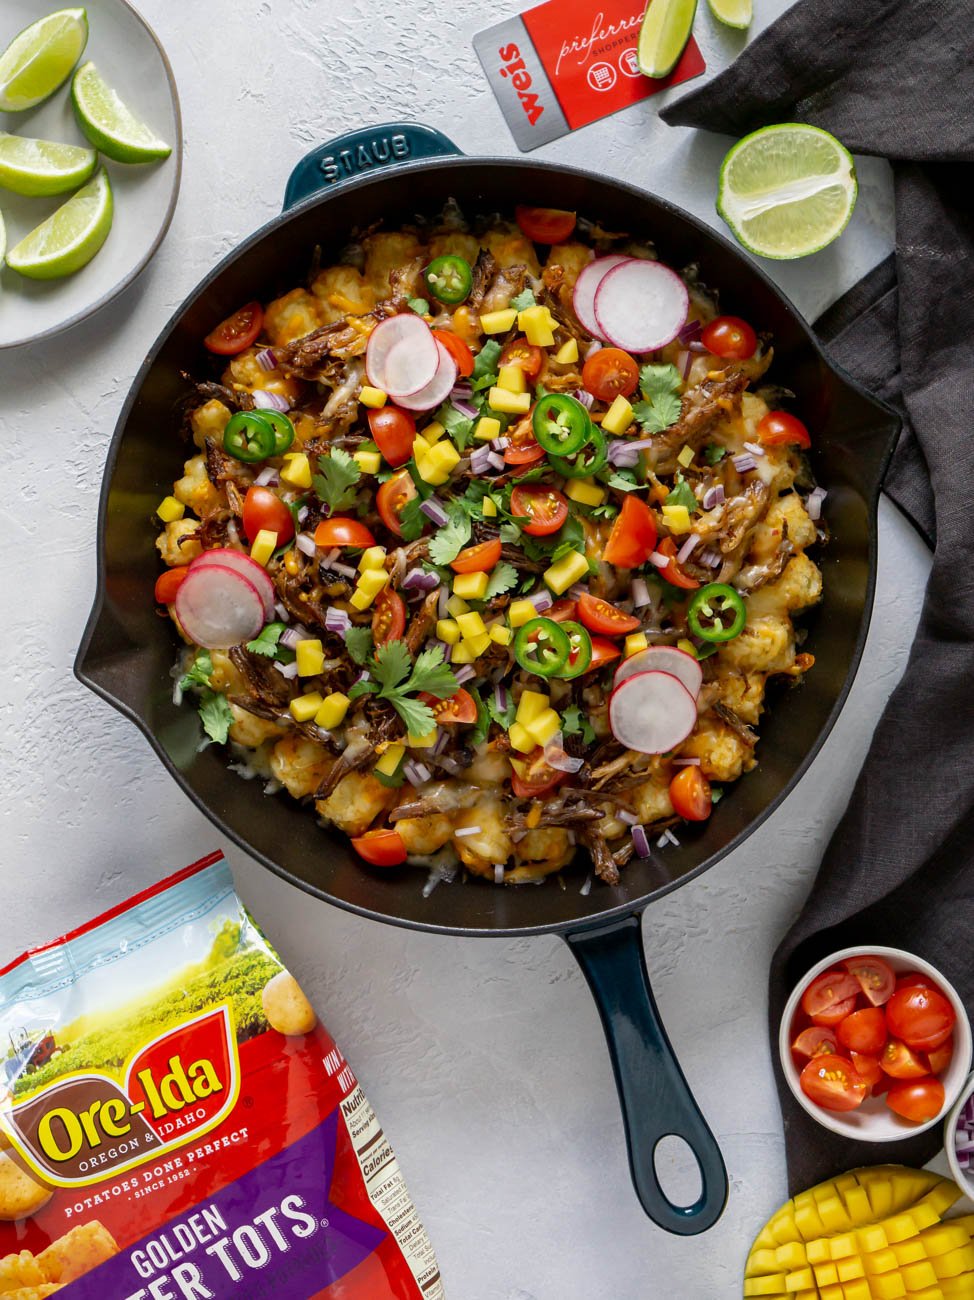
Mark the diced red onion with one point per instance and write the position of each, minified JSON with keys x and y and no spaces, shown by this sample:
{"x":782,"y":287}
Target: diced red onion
{"x":713,"y":497}
{"x":577,"y":590}
{"x":590,"y":351}
{"x":362,"y":677}
{"x":266,"y":359}
{"x":686,"y":762}
{"x":556,"y":757}
{"x":814,"y":501}
{"x":465,"y":408}
{"x":292,"y":637}
{"x":541,"y":600}
{"x":478,"y":458}
{"x":499,"y":444}
{"x":282,"y":613}
{"x":265,"y":401}
{"x":684,"y":365}
{"x":466,"y":830}
{"x":500,"y":698}
{"x":640,"y":444}
{"x":687,"y":549}
{"x":710,"y":558}
{"x":640,"y":593}
{"x":433,"y":510}
{"x":640,"y":841}
{"x":659,"y":561}
{"x":177,"y":692}
{"x":337,"y":620}
{"x":464,"y":673}
{"x":623,"y":455}
{"x":630,"y":818}
{"x":344,"y":570}
{"x":233,"y":533}
{"x":586,"y":888}
{"x":744,"y":462}
{"x":662,"y":842}
{"x":420,"y":580}
{"x":415,"y":773}
{"x":305,"y":544}
{"x":582,"y":395}
{"x":268,"y":477}
{"x":696,"y":346}
{"x":463,"y":391}
{"x":498,"y":873}
{"x":691,"y":330}
{"x":755,"y":449}
{"x":303,"y":513}
{"x":289,"y":671}
{"x":442,"y":740}
{"x":668,"y":835}
{"x":441,"y":609}
{"x":495,"y":461}
{"x":330,"y":557}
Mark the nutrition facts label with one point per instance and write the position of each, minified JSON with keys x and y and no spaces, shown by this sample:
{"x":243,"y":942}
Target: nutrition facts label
{"x":387,"y":1190}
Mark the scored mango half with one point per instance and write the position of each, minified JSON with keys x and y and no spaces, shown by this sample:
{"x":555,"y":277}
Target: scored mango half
{"x":872,"y":1234}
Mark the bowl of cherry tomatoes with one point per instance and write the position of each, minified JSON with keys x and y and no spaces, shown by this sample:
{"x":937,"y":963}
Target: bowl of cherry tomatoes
{"x":875,"y":1044}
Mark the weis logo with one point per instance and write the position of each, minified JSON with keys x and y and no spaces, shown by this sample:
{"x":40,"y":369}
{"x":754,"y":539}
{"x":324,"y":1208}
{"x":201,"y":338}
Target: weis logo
{"x":521,"y":81}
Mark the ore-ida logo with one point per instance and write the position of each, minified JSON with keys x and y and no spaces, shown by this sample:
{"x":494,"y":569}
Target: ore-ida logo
{"x":88,"y":1126}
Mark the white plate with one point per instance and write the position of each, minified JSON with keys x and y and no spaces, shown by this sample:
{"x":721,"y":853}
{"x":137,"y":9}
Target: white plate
{"x":129,"y":56}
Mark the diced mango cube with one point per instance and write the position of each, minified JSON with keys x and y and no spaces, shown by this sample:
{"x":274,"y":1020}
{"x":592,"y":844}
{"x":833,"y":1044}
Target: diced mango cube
{"x":521,"y":611}
{"x":373,"y":557}
{"x":585,"y":491}
{"x":489,"y":507}
{"x":369,"y":462}
{"x":421,"y":448}
{"x":500,"y":634}
{"x":618,"y":417}
{"x":471,"y":586}
{"x":531,"y":705}
{"x":544,"y":726}
{"x":448,"y":630}
{"x":498,"y":322}
{"x":880,"y":1261}
{"x":462,"y":654}
{"x":908,"y":1252}
{"x":570,"y":568}
{"x":372,"y":581}
{"x":944,"y":1237}
{"x":806,"y":1216}
{"x":918,"y":1275}
{"x":423,"y":742}
{"x":857,"y":1205}
{"x":304,"y":707}
{"x":310,"y":656}
{"x":478,"y":645}
{"x":939,"y":1199}
{"x":685,"y":456}
{"x":831,"y":1292}
{"x":677,"y":520}
{"x":457,"y":606}
{"x":487,"y":428}
{"x":761,"y":1261}
{"x":521,"y":738}
{"x":819,"y":1251}
{"x":265,"y":544}
{"x":871,"y":1238}
{"x":512,"y":378}
{"x":499,"y":399}
{"x":169,"y":510}
{"x":926,"y":1213}
{"x":899,"y":1227}
{"x":635,"y":642}
{"x":799,"y":1280}
{"x":772,"y":1285}
{"x":955,"y":1263}
{"x":567,"y":353}
{"x":471,"y":624}
{"x":537,"y":325}
{"x":831,"y":1211}
{"x":373,"y":397}
{"x":888,"y":1286}
{"x":433,"y":432}
{"x":826,"y":1274}
{"x":360,"y":599}
{"x":850,"y":1269}
{"x":332,"y":711}
{"x":791,"y":1256}
{"x":390,"y":760}
{"x":841,"y":1247}
{"x":296,"y":469}
{"x":856,"y":1291}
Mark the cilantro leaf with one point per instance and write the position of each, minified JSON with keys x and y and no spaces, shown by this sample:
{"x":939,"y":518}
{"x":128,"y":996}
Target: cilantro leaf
{"x":412,"y":521}
{"x":524,"y":300}
{"x":418,"y":718}
{"x":482,"y":726}
{"x":714,"y":452}
{"x":420,"y":306}
{"x":510,"y":533}
{"x":394,"y":781}
{"x":503,"y":577}
{"x":391,"y":665}
{"x":266,"y":642}
{"x":624,"y":480}
{"x":716,"y":793}
{"x":395,"y":678}
{"x":485,"y":365}
{"x":215,"y":715}
{"x":573,"y":723}
{"x":682,"y":495}
{"x":335,"y":482}
{"x":503,"y":717}
{"x":358,"y":643}
{"x":658,"y":381}
{"x":199,"y":672}
{"x":362,"y":688}
{"x":449,"y":541}
{"x":457,"y":425}
{"x":432,"y":674}
{"x":659,"y":413}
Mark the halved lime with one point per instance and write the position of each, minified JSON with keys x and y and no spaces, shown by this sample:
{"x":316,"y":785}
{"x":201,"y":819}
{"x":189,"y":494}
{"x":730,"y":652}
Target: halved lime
{"x":40,"y":167}
{"x":664,"y":34}
{"x":70,"y":237}
{"x":109,"y":124}
{"x":37,"y":61}
{"x":732,"y":13}
{"x":787,"y":191}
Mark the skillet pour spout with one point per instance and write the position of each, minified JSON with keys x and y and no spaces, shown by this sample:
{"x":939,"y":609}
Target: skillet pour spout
{"x":128,"y":651}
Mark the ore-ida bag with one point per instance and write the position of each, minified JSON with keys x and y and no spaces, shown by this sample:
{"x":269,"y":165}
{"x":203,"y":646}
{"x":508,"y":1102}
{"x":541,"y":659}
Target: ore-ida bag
{"x":177,"y":1124}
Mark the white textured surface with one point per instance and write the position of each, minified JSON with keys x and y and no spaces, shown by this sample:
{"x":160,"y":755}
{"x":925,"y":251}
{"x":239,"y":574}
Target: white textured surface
{"x":484,"y":1058}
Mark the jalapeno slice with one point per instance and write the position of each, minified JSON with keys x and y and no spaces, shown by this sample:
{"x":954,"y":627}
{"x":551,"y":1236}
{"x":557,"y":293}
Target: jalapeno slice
{"x":449,"y":278}
{"x":561,"y":424}
{"x":716,"y":613}
{"x":592,"y":457}
{"x":283,"y":430}
{"x":542,"y":647}
{"x":249,"y":437}
{"x":579,"y":649}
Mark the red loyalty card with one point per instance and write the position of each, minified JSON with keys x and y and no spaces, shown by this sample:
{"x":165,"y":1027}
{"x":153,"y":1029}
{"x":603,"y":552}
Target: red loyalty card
{"x":566,"y":63}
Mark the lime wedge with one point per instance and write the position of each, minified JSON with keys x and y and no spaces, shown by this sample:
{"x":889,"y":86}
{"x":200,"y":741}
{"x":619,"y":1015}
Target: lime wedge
{"x":3,"y":240}
{"x":37,"y":61}
{"x":70,"y":237}
{"x":40,"y":167}
{"x":109,"y":124}
{"x":663,"y":36}
{"x":732,"y":13}
{"x":787,"y":191}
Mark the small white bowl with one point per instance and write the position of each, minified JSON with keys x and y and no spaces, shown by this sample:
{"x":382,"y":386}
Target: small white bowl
{"x":964,"y":1178}
{"x":873,"y":1121}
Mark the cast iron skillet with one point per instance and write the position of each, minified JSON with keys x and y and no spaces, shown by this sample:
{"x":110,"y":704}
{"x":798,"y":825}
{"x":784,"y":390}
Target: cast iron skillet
{"x":391,"y":173}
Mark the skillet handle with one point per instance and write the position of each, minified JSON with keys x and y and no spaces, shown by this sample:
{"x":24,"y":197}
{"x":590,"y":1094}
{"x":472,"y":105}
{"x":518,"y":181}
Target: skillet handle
{"x":656,"y":1100}
{"x":371,"y":148}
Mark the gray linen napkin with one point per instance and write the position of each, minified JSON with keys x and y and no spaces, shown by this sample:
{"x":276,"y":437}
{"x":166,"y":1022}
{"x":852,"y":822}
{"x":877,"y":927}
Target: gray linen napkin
{"x":893,"y":78}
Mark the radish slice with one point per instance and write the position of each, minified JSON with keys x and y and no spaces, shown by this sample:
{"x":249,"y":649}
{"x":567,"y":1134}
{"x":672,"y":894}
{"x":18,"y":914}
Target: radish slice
{"x":650,"y":712}
{"x":439,"y":387}
{"x":641,"y":305}
{"x":247,"y":568}
{"x":218,"y":608}
{"x":664,"y":659}
{"x":402,"y":355}
{"x":583,"y":297}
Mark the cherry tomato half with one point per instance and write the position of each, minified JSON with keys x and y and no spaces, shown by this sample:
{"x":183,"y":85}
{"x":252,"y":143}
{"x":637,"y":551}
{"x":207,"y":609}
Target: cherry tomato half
{"x":599,"y":616}
{"x":523,"y":447}
{"x":392,"y":496}
{"x":827,"y":991}
{"x":778,"y":427}
{"x":875,"y":976}
{"x":237,"y":332}
{"x":673,"y":573}
{"x":867,"y":1067}
{"x":460,"y":708}
{"x":477,"y":559}
{"x":914,"y":977}
{"x":457,"y":349}
{"x":941,"y":1056}
{"x":538,"y":777}
{"x":388,"y":617}
{"x":603,"y":652}
{"x":902,"y":1062}
{"x":562,"y":611}
{"x":545,"y":225}
{"x":545,"y":508}
{"x":834,"y":1015}
{"x":832,"y":1083}
{"x":863,"y":1031}
{"x":394,"y":432}
{"x":342,"y":531}
{"x":528,"y":356}
{"x":817,"y":1040}
{"x":922,"y":1017}
{"x":690,"y":795}
{"x":633,"y":536}
{"x":918,"y":1100}
{"x":383,"y":848}
{"x":263,"y":509}
{"x":730,"y":337}
{"x":168,"y":583}
{"x":609,"y":372}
